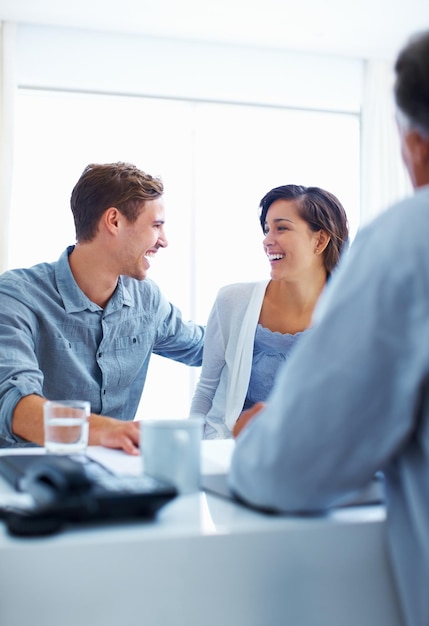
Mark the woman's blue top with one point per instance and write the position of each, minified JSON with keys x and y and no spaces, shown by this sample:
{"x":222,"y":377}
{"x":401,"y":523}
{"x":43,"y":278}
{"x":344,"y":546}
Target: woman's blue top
{"x":270,"y":351}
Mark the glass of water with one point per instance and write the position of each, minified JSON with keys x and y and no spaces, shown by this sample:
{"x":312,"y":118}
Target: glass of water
{"x":66,"y":426}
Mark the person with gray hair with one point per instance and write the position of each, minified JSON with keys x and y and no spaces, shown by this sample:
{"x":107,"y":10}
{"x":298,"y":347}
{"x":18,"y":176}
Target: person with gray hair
{"x":353,"y":399}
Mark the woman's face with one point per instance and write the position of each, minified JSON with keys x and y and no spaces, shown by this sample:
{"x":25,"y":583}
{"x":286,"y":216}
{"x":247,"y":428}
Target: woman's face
{"x":293,"y":249}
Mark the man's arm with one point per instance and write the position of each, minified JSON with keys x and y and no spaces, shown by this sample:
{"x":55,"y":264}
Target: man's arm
{"x":177,"y":339}
{"x":27,"y":420}
{"x":103,"y":431}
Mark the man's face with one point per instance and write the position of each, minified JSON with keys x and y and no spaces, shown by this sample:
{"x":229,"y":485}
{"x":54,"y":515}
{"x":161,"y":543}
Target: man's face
{"x":140,"y":240}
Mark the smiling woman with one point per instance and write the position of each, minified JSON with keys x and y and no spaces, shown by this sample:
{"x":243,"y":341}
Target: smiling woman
{"x":253,"y":327}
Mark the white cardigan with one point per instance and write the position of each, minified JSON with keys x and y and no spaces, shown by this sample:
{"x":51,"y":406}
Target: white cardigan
{"x":227,"y":359}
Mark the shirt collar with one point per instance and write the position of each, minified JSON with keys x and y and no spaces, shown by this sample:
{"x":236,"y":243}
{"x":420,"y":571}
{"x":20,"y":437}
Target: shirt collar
{"x":73,"y":297}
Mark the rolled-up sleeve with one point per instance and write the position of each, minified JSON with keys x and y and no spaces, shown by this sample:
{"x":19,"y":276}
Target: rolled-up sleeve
{"x":20,"y":375}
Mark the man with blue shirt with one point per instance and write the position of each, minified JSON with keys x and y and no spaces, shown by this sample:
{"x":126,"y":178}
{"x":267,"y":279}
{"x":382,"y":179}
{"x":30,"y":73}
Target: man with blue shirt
{"x":85,"y":326}
{"x":354,"y":397}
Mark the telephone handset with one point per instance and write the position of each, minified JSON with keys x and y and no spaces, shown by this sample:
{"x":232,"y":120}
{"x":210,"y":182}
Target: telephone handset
{"x":77,"y":489}
{"x":56,"y":480}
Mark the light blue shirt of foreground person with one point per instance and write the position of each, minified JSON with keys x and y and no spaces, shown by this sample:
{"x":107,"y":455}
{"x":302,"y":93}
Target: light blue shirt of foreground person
{"x":58,"y":344}
{"x":354,"y":399}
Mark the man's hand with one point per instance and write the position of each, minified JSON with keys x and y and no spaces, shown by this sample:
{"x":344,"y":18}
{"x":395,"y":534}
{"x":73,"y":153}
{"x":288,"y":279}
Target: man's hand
{"x":113,"y":433}
{"x":245,"y":417}
{"x":103,"y":431}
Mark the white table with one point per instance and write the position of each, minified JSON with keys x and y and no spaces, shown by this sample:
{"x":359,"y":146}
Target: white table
{"x":205,"y":561}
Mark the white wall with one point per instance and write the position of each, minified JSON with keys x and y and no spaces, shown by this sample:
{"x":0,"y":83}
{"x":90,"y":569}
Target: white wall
{"x":131,"y":64}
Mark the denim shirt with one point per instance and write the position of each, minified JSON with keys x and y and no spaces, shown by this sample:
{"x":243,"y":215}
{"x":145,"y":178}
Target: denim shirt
{"x":58,"y":344}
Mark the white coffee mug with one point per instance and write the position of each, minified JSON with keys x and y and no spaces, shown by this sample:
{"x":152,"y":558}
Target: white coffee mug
{"x":171,"y":450}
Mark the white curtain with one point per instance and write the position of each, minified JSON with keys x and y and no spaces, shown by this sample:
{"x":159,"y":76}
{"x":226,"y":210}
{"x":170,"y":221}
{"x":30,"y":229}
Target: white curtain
{"x":7,"y":104}
{"x":384,"y":177}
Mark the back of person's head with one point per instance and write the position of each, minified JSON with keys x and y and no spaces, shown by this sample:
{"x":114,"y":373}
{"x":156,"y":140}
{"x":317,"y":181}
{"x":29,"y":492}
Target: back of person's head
{"x":320,"y":209}
{"x":412,"y":83}
{"x":101,"y":186}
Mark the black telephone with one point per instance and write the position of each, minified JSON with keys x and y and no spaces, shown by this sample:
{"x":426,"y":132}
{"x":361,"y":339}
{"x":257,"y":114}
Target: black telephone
{"x":76,"y":489}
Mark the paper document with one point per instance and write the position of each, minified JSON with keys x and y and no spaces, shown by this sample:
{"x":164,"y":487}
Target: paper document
{"x":215,"y":458}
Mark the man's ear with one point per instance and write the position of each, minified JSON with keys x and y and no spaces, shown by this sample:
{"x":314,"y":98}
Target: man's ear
{"x":111,"y":218}
{"x":415,"y":152}
{"x":423,"y":149}
{"x":418,"y":146}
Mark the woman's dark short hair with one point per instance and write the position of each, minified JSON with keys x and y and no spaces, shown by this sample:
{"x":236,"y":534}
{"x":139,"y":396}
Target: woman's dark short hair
{"x":320,"y":209}
{"x":101,"y":186}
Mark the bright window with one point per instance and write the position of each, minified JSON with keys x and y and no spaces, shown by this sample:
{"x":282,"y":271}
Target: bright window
{"x":216,"y":161}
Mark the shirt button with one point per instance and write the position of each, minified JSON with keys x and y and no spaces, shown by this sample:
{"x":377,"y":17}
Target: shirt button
{"x":99,"y":354}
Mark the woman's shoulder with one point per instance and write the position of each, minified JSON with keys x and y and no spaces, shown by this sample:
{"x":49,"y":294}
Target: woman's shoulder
{"x":233,"y":300}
